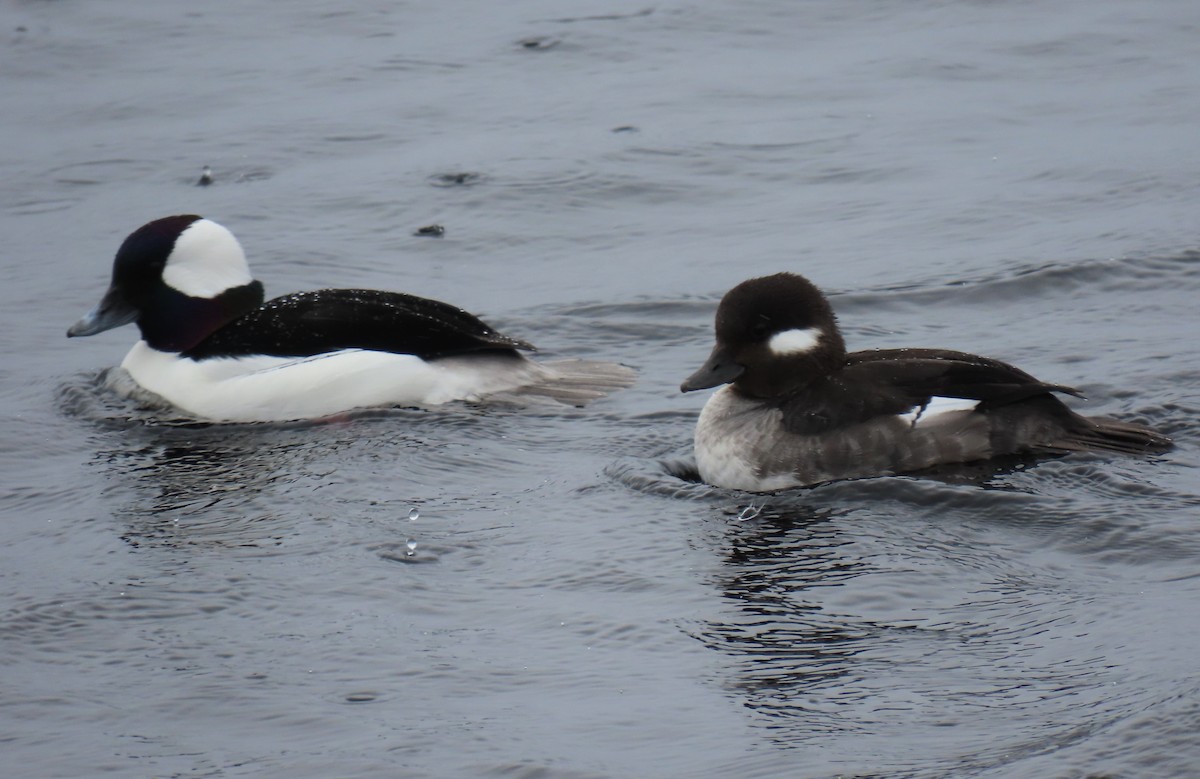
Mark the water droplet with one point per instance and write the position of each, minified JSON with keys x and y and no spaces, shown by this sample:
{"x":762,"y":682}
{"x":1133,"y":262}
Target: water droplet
{"x":412,"y":547}
{"x":413,"y":514}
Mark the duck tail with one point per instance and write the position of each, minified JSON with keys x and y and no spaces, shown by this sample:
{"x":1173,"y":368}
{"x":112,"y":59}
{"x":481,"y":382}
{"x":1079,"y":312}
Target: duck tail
{"x":1102,"y":434}
{"x":577,"y":382}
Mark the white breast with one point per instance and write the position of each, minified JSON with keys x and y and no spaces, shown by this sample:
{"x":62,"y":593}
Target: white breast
{"x":731,"y":435}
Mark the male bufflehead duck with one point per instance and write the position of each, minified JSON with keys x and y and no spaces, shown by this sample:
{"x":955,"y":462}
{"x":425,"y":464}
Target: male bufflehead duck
{"x":212,"y":348}
{"x":800,"y":411}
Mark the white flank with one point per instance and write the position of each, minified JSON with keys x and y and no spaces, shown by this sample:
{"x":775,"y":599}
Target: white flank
{"x":269,"y":389}
{"x":795,"y":341}
{"x":935,"y":408}
{"x":206,"y":261}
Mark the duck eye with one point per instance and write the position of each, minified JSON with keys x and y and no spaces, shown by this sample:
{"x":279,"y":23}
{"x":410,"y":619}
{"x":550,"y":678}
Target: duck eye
{"x":760,"y":329}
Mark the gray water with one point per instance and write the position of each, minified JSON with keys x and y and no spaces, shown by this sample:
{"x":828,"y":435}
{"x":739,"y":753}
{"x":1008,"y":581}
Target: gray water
{"x":1016,"y":179}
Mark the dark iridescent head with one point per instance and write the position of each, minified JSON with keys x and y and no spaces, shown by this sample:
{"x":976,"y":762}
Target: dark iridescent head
{"x":180,"y":278}
{"x":774,"y":334}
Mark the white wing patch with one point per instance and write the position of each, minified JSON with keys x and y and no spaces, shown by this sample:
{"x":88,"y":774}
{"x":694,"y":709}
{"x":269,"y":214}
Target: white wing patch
{"x":796,"y":341}
{"x":206,"y":261}
{"x":935,"y":408}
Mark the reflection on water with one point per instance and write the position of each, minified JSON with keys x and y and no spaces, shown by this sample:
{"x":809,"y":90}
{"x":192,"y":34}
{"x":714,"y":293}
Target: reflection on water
{"x":893,"y":608}
{"x":790,"y":655}
{"x":208,"y":493}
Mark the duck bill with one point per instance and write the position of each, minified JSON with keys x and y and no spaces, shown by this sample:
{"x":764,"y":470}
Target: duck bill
{"x":720,"y":368}
{"x":113,"y":311}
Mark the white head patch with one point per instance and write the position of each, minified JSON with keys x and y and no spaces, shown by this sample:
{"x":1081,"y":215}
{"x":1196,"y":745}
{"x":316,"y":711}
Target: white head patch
{"x":791,"y":342}
{"x":206,"y":261}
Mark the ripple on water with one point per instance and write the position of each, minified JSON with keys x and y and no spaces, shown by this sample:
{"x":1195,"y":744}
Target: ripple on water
{"x":99,"y":171}
{"x":41,"y":205}
{"x":845,"y":621}
{"x":52,"y":628}
{"x":464,"y":178}
{"x":1055,"y":280}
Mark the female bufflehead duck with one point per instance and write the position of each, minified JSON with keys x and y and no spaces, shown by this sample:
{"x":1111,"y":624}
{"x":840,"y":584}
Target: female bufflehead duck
{"x":800,"y":411}
{"x":212,"y":348}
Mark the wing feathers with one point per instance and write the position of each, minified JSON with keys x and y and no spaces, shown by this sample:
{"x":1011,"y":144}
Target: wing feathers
{"x":310,"y":323}
{"x":926,"y":373}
